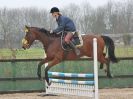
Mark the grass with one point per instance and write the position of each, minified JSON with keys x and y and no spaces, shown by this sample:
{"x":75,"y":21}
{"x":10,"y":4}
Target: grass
{"x":39,"y":53}
{"x":21,"y":54}
{"x":125,"y":51}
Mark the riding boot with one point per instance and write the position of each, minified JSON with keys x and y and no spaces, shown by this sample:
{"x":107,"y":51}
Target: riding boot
{"x":77,"y":51}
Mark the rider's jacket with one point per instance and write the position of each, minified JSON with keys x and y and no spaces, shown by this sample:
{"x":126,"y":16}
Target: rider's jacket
{"x":64,"y":24}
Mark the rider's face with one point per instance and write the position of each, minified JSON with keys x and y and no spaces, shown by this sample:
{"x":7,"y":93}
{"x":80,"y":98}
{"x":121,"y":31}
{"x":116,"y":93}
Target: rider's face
{"x":55,"y":15}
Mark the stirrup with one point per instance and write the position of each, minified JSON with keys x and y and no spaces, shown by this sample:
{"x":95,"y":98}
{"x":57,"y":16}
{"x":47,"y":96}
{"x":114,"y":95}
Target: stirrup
{"x":77,"y":51}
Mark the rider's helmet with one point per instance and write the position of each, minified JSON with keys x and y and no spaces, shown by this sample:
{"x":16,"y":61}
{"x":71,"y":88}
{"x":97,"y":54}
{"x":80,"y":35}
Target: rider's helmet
{"x":54,"y":9}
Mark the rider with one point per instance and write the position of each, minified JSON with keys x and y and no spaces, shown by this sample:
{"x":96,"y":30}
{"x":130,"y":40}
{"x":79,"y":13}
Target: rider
{"x":64,"y":24}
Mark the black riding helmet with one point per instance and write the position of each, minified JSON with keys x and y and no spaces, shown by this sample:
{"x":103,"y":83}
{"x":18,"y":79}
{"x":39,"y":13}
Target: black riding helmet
{"x":54,"y":9}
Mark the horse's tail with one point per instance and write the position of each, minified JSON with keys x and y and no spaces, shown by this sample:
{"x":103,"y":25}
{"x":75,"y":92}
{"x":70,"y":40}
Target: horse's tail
{"x":111,"y":48}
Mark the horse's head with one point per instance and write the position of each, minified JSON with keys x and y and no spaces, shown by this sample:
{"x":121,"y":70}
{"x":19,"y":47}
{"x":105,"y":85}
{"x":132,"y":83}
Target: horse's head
{"x":29,"y":37}
{"x":35,"y":33}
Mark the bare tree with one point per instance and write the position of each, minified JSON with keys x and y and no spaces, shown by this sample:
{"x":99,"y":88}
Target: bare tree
{"x":111,"y":18}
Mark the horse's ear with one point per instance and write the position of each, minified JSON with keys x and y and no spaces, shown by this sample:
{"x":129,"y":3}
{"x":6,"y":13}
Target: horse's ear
{"x":26,"y":26}
{"x":26,"y":29}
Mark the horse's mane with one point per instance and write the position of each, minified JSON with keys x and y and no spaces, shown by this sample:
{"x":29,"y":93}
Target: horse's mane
{"x":43,"y":30}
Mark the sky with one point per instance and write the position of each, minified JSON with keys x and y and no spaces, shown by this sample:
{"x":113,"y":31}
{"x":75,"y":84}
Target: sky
{"x":48,"y":3}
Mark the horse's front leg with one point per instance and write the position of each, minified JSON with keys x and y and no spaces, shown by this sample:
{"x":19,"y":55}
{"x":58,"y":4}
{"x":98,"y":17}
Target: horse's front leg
{"x":50,"y":64}
{"x":39,"y":68}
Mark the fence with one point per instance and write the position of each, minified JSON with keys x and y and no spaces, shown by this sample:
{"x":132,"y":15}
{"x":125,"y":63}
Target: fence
{"x":20,"y":74}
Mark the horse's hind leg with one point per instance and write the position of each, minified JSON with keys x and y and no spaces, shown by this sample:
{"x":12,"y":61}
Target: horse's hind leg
{"x":102,"y":60}
{"x":101,"y":64}
{"x":108,"y":69}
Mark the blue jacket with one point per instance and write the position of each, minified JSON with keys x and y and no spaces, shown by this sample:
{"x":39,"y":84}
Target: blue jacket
{"x":64,"y":24}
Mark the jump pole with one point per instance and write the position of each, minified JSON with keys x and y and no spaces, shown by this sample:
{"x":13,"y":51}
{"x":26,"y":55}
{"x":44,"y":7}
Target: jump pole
{"x":95,"y":68}
{"x":61,"y":83}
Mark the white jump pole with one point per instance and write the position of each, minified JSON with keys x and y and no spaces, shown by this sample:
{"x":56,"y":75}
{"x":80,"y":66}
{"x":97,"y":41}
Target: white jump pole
{"x":72,"y":87}
{"x":95,"y":68}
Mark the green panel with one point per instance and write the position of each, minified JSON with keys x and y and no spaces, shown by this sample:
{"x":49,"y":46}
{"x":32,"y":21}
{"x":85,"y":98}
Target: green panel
{"x":116,"y":83}
{"x":18,"y":69}
{"x":5,"y":70}
{"x":26,"y":69}
{"x":21,"y":85}
{"x":21,"y":70}
{"x":74,"y":66}
{"x":124,"y":67}
{"x":29,"y":69}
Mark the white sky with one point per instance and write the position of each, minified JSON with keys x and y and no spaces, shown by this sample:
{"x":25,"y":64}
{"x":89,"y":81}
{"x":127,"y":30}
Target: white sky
{"x":48,"y":3}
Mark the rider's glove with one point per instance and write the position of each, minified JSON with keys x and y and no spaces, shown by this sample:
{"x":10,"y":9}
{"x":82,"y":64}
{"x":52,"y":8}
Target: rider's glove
{"x":51,"y":31}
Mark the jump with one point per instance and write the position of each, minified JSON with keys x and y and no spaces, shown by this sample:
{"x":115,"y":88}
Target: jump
{"x":55,"y":54}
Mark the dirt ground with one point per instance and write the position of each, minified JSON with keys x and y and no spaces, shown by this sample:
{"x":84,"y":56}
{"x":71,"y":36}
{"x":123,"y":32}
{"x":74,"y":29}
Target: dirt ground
{"x":126,"y":93}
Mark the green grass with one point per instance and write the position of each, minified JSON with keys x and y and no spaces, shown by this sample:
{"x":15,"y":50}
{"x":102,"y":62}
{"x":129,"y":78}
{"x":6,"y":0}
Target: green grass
{"x":125,"y":51}
{"x":39,"y":53}
{"x":21,"y":54}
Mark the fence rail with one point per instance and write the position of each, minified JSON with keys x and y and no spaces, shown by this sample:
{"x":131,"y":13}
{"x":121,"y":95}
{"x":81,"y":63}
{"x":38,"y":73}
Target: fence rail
{"x":36,"y":78}
{"x":81,"y":59}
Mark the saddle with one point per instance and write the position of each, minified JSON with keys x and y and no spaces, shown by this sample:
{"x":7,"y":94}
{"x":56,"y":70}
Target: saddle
{"x":76,"y":40}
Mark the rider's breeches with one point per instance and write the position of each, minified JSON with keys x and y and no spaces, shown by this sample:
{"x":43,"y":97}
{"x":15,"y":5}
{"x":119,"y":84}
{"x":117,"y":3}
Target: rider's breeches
{"x":68,"y":37}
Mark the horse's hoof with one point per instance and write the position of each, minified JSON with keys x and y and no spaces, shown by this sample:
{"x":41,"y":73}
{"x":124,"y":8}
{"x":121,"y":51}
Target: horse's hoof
{"x":49,"y":83}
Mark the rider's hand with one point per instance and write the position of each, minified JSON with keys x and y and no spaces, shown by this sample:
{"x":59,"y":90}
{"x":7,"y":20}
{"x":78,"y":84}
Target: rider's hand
{"x":51,"y":31}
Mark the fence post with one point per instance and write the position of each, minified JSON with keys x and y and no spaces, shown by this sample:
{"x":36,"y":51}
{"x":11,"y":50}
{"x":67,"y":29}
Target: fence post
{"x":95,"y":68}
{"x":13,"y":64}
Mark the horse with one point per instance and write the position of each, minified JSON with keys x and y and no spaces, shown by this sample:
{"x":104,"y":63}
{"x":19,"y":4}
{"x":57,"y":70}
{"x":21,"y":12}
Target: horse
{"x":56,"y":54}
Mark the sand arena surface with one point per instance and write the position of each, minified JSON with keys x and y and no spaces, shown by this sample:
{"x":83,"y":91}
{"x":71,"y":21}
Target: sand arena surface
{"x":125,"y":93}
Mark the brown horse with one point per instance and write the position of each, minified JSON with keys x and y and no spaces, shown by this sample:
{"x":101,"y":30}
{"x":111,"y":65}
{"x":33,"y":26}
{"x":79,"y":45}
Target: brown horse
{"x":55,"y":54}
